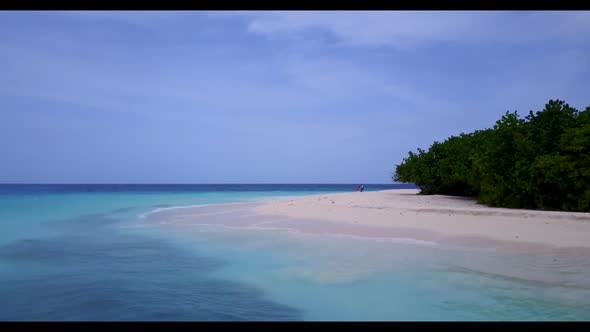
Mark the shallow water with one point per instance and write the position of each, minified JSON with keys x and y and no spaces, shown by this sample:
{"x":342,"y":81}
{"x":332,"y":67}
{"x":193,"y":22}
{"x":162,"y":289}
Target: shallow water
{"x":335,"y":277}
{"x":80,"y":254}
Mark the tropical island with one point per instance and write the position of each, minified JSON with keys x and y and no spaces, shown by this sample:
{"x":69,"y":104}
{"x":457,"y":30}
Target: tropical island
{"x":530,"y":176}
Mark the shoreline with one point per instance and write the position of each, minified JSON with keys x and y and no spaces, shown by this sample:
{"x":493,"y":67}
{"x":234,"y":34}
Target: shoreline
{"x":553,"y":251}
{"x":394,"y":214}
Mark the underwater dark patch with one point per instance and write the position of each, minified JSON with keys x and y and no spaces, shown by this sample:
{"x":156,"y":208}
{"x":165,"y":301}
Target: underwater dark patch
{"x":99,"y":274}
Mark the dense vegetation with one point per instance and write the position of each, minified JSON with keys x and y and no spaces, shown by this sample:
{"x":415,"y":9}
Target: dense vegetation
{"x":541,"y":161}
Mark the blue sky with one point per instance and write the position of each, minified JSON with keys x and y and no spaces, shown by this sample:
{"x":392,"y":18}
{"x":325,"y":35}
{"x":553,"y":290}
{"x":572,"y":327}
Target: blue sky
{"x":267,"y":97}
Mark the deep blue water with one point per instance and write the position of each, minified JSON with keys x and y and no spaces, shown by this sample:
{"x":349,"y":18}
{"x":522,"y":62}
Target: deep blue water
{"x":13,"y":189}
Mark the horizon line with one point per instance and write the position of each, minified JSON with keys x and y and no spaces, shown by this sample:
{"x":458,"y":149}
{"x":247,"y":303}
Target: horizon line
{"x":267,"y":183}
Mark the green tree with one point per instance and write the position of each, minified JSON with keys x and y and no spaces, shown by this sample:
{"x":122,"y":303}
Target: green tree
{"x":541,"y":161}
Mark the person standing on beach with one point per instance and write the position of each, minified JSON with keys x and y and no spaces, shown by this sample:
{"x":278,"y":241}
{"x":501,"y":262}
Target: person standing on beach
{"x":358,"y":187}
{"x":362,"y":188}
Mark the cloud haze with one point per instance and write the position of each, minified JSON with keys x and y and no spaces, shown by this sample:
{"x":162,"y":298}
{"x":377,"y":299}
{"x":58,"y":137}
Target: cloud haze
{"x":251,"y":97}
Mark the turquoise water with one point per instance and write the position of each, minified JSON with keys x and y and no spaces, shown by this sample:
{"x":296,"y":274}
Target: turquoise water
{"x":34,"y":213}
{"x":338,"y":278}
{"x":80,"y":254}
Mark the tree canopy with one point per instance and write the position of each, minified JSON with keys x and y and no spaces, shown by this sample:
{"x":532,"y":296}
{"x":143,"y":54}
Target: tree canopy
{"x":541,"y":161}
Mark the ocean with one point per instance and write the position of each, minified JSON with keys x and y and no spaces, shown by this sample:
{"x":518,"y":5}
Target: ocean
{"x":82,"y":253}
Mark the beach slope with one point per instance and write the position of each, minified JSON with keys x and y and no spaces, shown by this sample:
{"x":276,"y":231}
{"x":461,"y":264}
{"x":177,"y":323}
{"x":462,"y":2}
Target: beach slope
{"x":434,"y":217}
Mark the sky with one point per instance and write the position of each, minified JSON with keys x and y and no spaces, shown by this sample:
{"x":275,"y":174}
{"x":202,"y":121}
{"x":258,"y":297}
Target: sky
{"x":267,"y":97}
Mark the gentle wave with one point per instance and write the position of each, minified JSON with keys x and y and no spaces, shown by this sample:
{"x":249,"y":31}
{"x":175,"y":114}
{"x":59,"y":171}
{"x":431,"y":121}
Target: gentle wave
{"x":254,"y":200}
{"x":143,"y":215}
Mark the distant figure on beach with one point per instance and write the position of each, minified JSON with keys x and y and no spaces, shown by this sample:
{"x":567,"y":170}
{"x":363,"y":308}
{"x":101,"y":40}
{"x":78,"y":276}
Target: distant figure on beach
{"x":358,"y":187}
{"x":362,"y":188}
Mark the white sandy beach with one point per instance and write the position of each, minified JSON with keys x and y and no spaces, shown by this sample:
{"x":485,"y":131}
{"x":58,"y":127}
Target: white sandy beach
{"x":434,"y":217}
{"x":552,"y":248}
